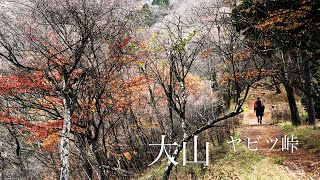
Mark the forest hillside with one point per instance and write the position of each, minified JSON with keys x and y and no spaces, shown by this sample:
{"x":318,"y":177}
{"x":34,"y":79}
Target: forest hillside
{"x":159,"y":89}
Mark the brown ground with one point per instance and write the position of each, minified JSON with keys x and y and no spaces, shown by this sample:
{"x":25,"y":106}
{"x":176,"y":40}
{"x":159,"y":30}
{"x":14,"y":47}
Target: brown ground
{"x":301,"y":162}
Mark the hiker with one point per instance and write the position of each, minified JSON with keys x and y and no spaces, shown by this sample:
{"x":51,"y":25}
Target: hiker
{"x":259,"y":109}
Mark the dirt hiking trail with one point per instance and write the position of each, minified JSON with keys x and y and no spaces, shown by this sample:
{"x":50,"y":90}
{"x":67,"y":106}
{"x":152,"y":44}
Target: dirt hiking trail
{"x":300,"y":163}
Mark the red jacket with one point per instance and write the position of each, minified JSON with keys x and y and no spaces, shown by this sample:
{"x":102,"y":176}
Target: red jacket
{"x":255,"y":105}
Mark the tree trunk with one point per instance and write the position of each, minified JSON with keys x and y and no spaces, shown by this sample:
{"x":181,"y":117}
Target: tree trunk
{"x":83,"y":151}
{"x":308,"y":93}
{"x":22,"y":166}
{"x":99,"y":159}
{"x":64,"y":142}
{"x":285,"y":78}
{"x":182,"y":112}
{"x":295,"y":118}
{"x":170,"y":165}
{"x":87,"y":167}
{"x":65,"y":134}
{"x":276,"y":85}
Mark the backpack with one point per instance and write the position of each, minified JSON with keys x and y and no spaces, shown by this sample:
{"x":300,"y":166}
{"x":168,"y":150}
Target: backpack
{"x":259,"y":106}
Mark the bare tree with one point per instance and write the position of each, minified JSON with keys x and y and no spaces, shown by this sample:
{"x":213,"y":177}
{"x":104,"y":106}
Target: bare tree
{"x":64,"y":41}
{"x":177,"y":53}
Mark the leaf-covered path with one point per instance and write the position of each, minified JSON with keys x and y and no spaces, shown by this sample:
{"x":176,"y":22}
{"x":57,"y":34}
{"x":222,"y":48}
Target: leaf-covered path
{"x":300,"y":163}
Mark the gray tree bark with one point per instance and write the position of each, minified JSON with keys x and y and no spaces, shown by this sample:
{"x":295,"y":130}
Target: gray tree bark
{"x":308,"y":93}
{"x":295,"y":118}
{"x":65,"y":135}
